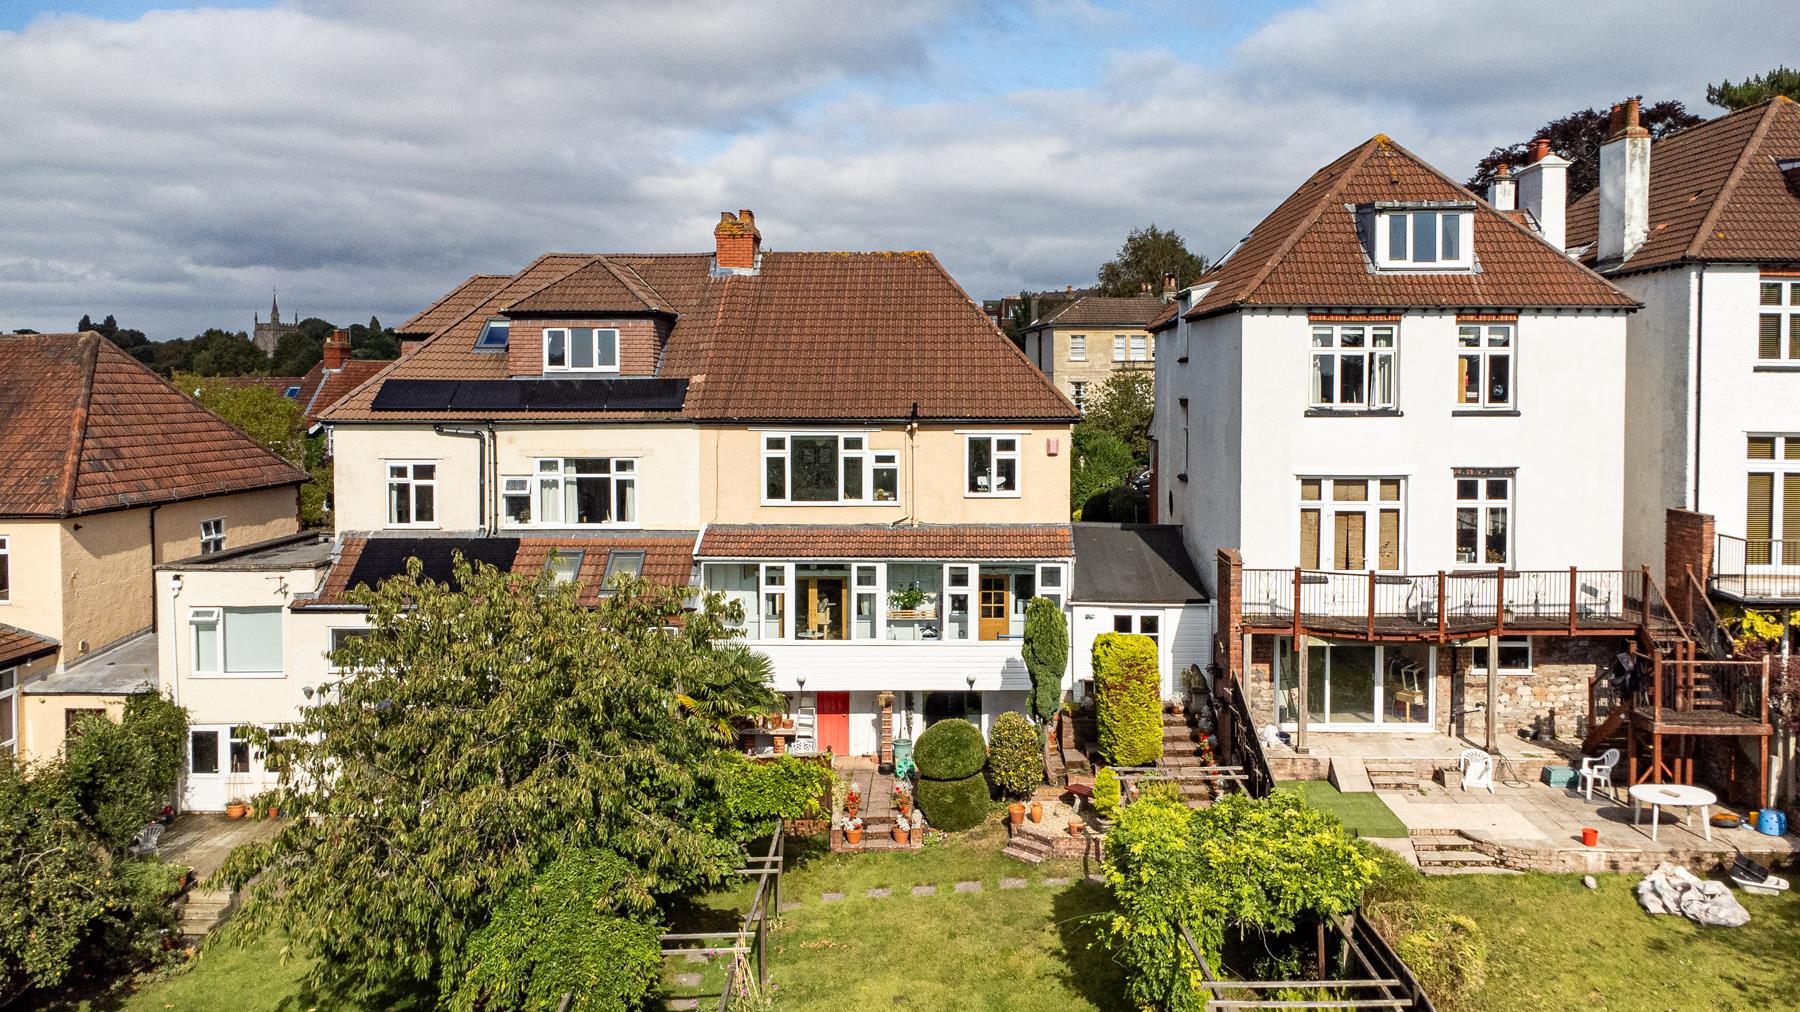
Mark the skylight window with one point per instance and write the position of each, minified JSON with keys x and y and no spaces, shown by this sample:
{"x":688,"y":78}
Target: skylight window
{"x":622,"y":564}
{"x":494,"y":335}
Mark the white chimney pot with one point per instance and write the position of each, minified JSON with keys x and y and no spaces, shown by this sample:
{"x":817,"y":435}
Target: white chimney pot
{"x":1544,"y":191}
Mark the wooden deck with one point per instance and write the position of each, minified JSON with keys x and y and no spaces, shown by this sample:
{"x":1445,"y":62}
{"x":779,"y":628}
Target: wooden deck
{"x":1392,"y":629}
{"x":1664,"y":720}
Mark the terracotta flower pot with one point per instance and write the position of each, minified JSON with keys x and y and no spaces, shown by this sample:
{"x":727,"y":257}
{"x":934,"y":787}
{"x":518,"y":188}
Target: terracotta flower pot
{"x":899,"y":835}
{"x":1016,"y":812}
{"x":1037,"y":811}
{"x":237,"y":810}
{"x":274,"y":811}
{"x":854,"y":836}
{"x":1075,"y":827}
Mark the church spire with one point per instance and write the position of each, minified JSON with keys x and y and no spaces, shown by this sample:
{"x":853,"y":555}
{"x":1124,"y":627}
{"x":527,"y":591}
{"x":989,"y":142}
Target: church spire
{"x":274,"y":309}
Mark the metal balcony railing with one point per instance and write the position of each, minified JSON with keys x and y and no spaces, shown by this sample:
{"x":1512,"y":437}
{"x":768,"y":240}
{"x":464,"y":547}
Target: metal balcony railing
{"x":1760,"y":569}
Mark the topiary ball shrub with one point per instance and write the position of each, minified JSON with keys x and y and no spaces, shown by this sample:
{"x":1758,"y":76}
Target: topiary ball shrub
{"x":950,"y":750}
{"x":1129,"y":704}
{"x":953,"y":805}
{"x":1015,"y":763}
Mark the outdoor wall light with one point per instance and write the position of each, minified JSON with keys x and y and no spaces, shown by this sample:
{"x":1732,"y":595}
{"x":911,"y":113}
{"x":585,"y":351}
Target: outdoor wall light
{"x":971,"y":681}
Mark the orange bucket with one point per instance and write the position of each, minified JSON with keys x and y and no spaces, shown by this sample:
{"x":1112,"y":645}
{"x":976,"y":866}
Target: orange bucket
{"x":1589,"y":836}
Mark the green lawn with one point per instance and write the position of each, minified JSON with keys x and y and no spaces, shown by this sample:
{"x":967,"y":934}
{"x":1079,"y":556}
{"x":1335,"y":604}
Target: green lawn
{"x":1555,"y":944}
{"x":223,"y":978}
{"x":1365,"y":814}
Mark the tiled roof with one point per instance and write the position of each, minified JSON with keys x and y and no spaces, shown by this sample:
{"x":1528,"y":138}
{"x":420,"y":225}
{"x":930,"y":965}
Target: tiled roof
{"x":17,"y":645}
{"x":812,"y":336}
{"x":601,"y":286}
{"x":324,"y":387}
{"x":927,"y":541}
{"x":667,"y":560}
{"x":1132,"y":311}
{"x":84,"y":428}
{"x":1717,"y":192}
{"x":1307,"y":252}
{"x":454,"y":305}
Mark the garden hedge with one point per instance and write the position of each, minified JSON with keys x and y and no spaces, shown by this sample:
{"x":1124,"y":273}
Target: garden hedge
{"x":953,"y":805}
{"x":1129,"y":705}
{"x":950,"y":750}
{"x":1015,"y":764}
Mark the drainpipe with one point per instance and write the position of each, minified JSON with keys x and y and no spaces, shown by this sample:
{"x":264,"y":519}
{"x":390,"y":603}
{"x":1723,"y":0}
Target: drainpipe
{"x":1699,"y":365}
{"x":153,"y":561}
{"x":912,"y":464}
{"x":481,"y":458}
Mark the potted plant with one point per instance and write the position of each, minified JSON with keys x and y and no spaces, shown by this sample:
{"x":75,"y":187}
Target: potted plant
{"x":853,"y":830}
{"x":236,"y":808}
{"x":1075,"y":828}
{"x":852,"y":802}
{"x":907,"y":599}
{"x":903,"y":798}
{"x":1037,"y":811}
{"x":1016,"y":813}
{"x":901,"y":827}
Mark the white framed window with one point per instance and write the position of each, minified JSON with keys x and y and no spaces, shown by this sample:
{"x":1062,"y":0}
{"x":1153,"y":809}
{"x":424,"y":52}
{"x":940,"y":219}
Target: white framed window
{"x":1352,"y":523}
{"x":564,"y":565}
{"x":581,"y":349}
{"x":586,"y":492}
{"x":203,"y":753}
{"x":1050,"y":583}
{"x":827,"y":468}
{"x":1078,"y":394}
{"x":1353,"y":366}
{"x":1484,"y":365}
{"x":991,"y":463}
{"x":212,"y":536}
{"x":1424,"y":238}
{"x":515,"y":500}
{"x":412,"y":493}
{"x":1515,"y":656}
{"x":341,"y":637}
{"x":5,"y":570}
{"x":958,"y":614}
{"x":1141,"y":623}
{"x":1078,"y":347}
{"x":236,"y":642}
{"x":1119,"y":350}
{"x":1483,"y":517}
{"x":1778,"y":323}
{"x":1772,"y":500}
{"x":1140,"y":347}
{"x":9,"y":708}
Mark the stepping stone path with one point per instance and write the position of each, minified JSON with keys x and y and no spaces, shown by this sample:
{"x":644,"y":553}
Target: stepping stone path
{"x":688,"y":979}
{"x":924,"y":890}
{"x":968,"y":887}
{"x":1012,"y":883}
{"x":880,"y":893}
{"x":788,"y":908}
{"x":830,"y":897}
{"x":683,"y":1004}
{"x":698,"y":957}
{"x":1056,"y":882}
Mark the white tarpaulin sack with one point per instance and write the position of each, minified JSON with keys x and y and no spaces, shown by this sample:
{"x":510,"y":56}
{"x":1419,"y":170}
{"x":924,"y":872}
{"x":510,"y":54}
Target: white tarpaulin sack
{"x":1675,"y":890}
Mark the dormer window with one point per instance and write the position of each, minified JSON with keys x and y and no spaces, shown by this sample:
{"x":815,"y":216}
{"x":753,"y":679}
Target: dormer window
{"x":494,"y":335}
{"x":1422,"y":237}
{"x":581,"y":349}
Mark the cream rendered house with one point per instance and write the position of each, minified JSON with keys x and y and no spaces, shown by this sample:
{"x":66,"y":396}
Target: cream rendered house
{"x":1083,"y":344}
{"x":110,"y":472}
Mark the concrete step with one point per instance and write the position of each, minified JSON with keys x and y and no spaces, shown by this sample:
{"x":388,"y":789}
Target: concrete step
{"x":1468,"y":870}
{"x":1021,"y":854}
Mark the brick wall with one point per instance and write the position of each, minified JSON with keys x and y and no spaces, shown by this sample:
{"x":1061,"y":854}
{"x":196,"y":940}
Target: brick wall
{"x":640,"y":344}
{"x":1561,"y":667}
{"x":1687,"y":542}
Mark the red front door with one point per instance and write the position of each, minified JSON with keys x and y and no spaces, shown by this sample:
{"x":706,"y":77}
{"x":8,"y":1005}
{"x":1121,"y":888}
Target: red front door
{"x":834,"y":722}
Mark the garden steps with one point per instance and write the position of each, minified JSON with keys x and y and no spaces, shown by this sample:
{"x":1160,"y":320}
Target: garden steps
{"x":1391,"y":774}
{"x":1450,"y":852}
{"x":204,"y":910}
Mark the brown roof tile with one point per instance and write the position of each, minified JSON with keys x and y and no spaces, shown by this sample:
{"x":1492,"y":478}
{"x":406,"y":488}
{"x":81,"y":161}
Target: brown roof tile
{"x":453,"y":305}
{"x":17,"y":645}
{"x":813,"y":336}
{"x":1717,"y":192}
{"x":330,"y":385}
{"x":667,"y":560}
{"x":1307,"y":252}
{"x":1133,"y":311}
{"x":84,"y":428}
{"x":600,"y":287}
{"x":927,"y":541}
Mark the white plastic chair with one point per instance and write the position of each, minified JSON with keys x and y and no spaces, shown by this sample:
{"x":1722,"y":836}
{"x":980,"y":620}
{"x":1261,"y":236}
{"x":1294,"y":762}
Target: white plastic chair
{"x":1598,"y":770}
{"x":1477,"y":770}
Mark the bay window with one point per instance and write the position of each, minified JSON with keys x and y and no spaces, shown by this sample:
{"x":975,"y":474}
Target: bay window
{"x":581,"y":349}
{"x":1484,"y":373}
{"x":1483,"y":517}
{"x":828,"y":468}
{"x":992,"y":465}
{"x":586,"y":492}
{"x":1353,"y":366}
{"x":1351,"y":523}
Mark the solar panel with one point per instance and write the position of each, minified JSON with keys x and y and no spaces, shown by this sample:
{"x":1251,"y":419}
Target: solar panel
{"x":636,"y":394}
{"x":382,"y":558}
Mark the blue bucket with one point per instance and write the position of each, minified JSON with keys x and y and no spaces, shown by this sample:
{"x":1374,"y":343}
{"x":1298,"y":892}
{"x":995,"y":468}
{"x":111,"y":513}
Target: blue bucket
{"x":1770,"y":822}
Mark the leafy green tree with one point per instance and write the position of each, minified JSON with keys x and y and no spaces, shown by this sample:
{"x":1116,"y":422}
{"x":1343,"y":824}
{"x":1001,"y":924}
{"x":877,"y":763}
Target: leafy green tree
{"x":1123,"y":407}
{"x":1015,"y":760}
{"x":1128,"y":705}
{"x":72,"y":899}
{"x":263,"y":415}
{"x":1046,"y":652}
{"x":295,"y":353}
{"x":373,"y":341}
{"x":1752,"y":90}
{"x":1147,"y":255}
{"x":491,"y":727}
{"x":228,"y":353}
{"x":1578,"y":137}
{"x":132,"y":342}
{"x":1101,"y":462}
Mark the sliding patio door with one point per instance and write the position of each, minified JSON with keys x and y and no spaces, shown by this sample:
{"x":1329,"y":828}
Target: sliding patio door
{"x":1355,"y":685}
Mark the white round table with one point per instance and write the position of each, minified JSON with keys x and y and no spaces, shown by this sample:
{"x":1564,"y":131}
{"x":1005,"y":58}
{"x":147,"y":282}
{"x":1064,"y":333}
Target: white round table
{"x":1659,"y":796}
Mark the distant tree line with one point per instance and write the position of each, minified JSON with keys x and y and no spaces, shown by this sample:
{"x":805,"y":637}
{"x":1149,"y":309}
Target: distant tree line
{"x":216,"y":352}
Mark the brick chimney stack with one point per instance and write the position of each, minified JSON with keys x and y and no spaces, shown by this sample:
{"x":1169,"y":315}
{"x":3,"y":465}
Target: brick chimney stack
{"x":736,"y":242}
{"x":1624,"y":185}
{"x":1503,"y":192}
{"x":1169,"y":290}
{"x":1543,"y":189}
{"x":337,"y":349}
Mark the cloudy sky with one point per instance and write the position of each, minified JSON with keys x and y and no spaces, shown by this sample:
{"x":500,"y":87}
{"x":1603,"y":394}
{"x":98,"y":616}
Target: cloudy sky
{"x":171,"y":163}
